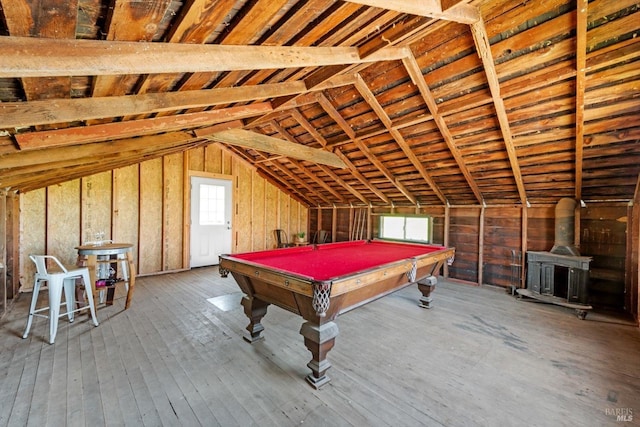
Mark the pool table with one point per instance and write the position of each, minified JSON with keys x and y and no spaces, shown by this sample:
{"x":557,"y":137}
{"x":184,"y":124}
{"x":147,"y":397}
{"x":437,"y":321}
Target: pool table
{"x":320,"y":282}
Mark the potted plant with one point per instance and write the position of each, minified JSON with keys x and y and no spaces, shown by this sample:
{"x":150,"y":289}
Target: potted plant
{"x":299,"y":237}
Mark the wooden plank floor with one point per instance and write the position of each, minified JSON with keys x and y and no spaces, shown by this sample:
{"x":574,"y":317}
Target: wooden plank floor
{"x":478,"y":358}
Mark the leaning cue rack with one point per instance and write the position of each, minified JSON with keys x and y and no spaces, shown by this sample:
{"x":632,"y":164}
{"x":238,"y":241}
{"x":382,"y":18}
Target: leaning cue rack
{"x":358,"y":232}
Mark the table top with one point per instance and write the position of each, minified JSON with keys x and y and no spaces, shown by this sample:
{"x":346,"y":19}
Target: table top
{"x":331,"y":260}
{"x":105,"y":249}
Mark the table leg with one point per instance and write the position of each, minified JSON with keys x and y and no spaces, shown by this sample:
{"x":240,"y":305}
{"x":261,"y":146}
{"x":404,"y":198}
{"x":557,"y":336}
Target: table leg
{"x":92,"y":265}
{"x":255,"y":310}
{"x":319,"y":340}
{"x":426,"y":286}
{"x":132,"y":280}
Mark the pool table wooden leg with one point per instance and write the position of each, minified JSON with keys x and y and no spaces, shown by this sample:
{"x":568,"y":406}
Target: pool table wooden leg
{"x":255,"y":310}
{"x":319,"y":340}
{"x":426,"y":286}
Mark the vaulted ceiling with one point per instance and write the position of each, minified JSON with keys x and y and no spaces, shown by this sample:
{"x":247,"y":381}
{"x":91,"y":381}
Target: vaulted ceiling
{"x":366,"y":102}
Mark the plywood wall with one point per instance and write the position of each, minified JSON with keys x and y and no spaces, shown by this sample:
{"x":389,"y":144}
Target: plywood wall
{"x":146,"y":204}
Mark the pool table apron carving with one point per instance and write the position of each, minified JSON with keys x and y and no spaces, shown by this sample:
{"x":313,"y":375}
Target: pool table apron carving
{"x":319,"y":302}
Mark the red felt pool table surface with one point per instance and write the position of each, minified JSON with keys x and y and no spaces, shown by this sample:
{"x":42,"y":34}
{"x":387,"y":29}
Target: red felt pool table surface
{"x":332,"y":260}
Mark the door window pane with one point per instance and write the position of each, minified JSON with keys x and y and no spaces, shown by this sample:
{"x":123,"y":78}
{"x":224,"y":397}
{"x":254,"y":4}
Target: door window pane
{"x":211,"y":204}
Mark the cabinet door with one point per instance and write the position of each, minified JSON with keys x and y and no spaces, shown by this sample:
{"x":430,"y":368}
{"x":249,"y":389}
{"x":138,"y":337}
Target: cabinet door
{"x":546,"y":279}
{"x":533,"y":277}
{"x":578,"y":286}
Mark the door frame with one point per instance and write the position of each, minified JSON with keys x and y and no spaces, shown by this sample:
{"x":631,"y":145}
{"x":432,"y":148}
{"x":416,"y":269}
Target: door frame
{"x":187,"y":210}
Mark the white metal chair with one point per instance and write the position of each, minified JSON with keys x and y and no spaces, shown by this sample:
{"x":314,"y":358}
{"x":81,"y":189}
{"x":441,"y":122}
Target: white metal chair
{"x":57,"y":281}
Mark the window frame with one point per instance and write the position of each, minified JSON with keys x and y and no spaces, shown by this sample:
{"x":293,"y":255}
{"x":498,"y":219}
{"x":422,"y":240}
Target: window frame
{"x":428,"y":218}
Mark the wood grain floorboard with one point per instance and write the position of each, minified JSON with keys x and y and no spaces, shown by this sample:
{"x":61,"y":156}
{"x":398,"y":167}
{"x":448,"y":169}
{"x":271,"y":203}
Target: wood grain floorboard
{"x":478,"y":358}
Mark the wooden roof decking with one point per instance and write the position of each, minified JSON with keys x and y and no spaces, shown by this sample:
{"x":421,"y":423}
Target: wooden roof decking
{"x":441,"y":102}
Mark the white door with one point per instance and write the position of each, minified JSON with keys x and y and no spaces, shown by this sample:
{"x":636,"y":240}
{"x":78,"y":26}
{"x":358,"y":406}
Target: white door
{"x":210,"y":220}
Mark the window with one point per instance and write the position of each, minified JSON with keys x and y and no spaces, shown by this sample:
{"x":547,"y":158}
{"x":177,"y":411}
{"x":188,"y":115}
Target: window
{"x":211,"y":204}
{"x":413,"y":228}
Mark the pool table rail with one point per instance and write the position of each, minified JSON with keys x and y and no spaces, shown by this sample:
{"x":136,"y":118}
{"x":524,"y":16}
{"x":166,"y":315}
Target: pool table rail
{"x":320,"y":302}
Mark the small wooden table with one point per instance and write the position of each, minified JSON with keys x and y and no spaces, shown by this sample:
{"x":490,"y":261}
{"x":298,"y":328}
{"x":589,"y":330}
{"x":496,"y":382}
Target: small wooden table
{"x":102,"y":254}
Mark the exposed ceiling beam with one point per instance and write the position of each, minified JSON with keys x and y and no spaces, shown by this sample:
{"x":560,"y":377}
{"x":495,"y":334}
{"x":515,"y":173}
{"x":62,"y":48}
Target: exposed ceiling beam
{"x":38,"y":168}
{"x":416,"y":76}
{"x":310,"y":191}
{"x":21,"y":114}
{"x":370,"y":99}
{"x":581,"y":64}
{"x":313,"y":178}
{"x":386,"y":172}
{"x":275,"y":180}
{"x":36,"y":57}
{"x":126,"y":23}
{"x":74,"y":155}
{"x":447,"y":4}
{"x":483,"y":47}
{"x":328,"y":107}
{"x":461,"y":12}
{"x":354,"y":171}
{"x":104,"y":165}
{"x":282,"y":131}
{"x":129,"y":129}
{"x":50,"y":19}
{"x":344,"y":184}
{"x":346,"y":128}
{"x":268,"y":144}
{"x":297,"y":116}
{"x":387,"y":40}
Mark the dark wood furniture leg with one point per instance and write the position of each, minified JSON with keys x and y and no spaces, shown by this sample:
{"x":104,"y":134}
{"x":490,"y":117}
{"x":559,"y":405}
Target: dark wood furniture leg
{"x":255,"y":310}
{"x":319,"y":340}
{"x":426,"y":286}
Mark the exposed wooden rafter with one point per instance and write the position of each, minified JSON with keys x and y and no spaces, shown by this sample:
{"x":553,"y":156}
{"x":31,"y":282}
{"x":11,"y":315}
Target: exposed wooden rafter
{"x":370,"y":98}
{"x":461,"y":12}
{"x":416,"y":76}
{"x":484,"y":51}
{"x":325,"y":169}
{"x":385,"y":171}
{"x":346,"y":128}
{"x":34,"y":19}
{"x":344,"y":184}
{"x":33,"y":57}
{"x":121,"y":13}
{"x":354,"y":171}
{"x":268,"y":144}
{"x":129,"y":129}
{"x":321,"y":183}
{"x":310,"y":192}
{"x":60,"y":164}
{"x":549,"y":110}
{"x":275,"y":180}
{"x":20,"y":114}
{"x":308,"y":127}
{"x":581,"y":64}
